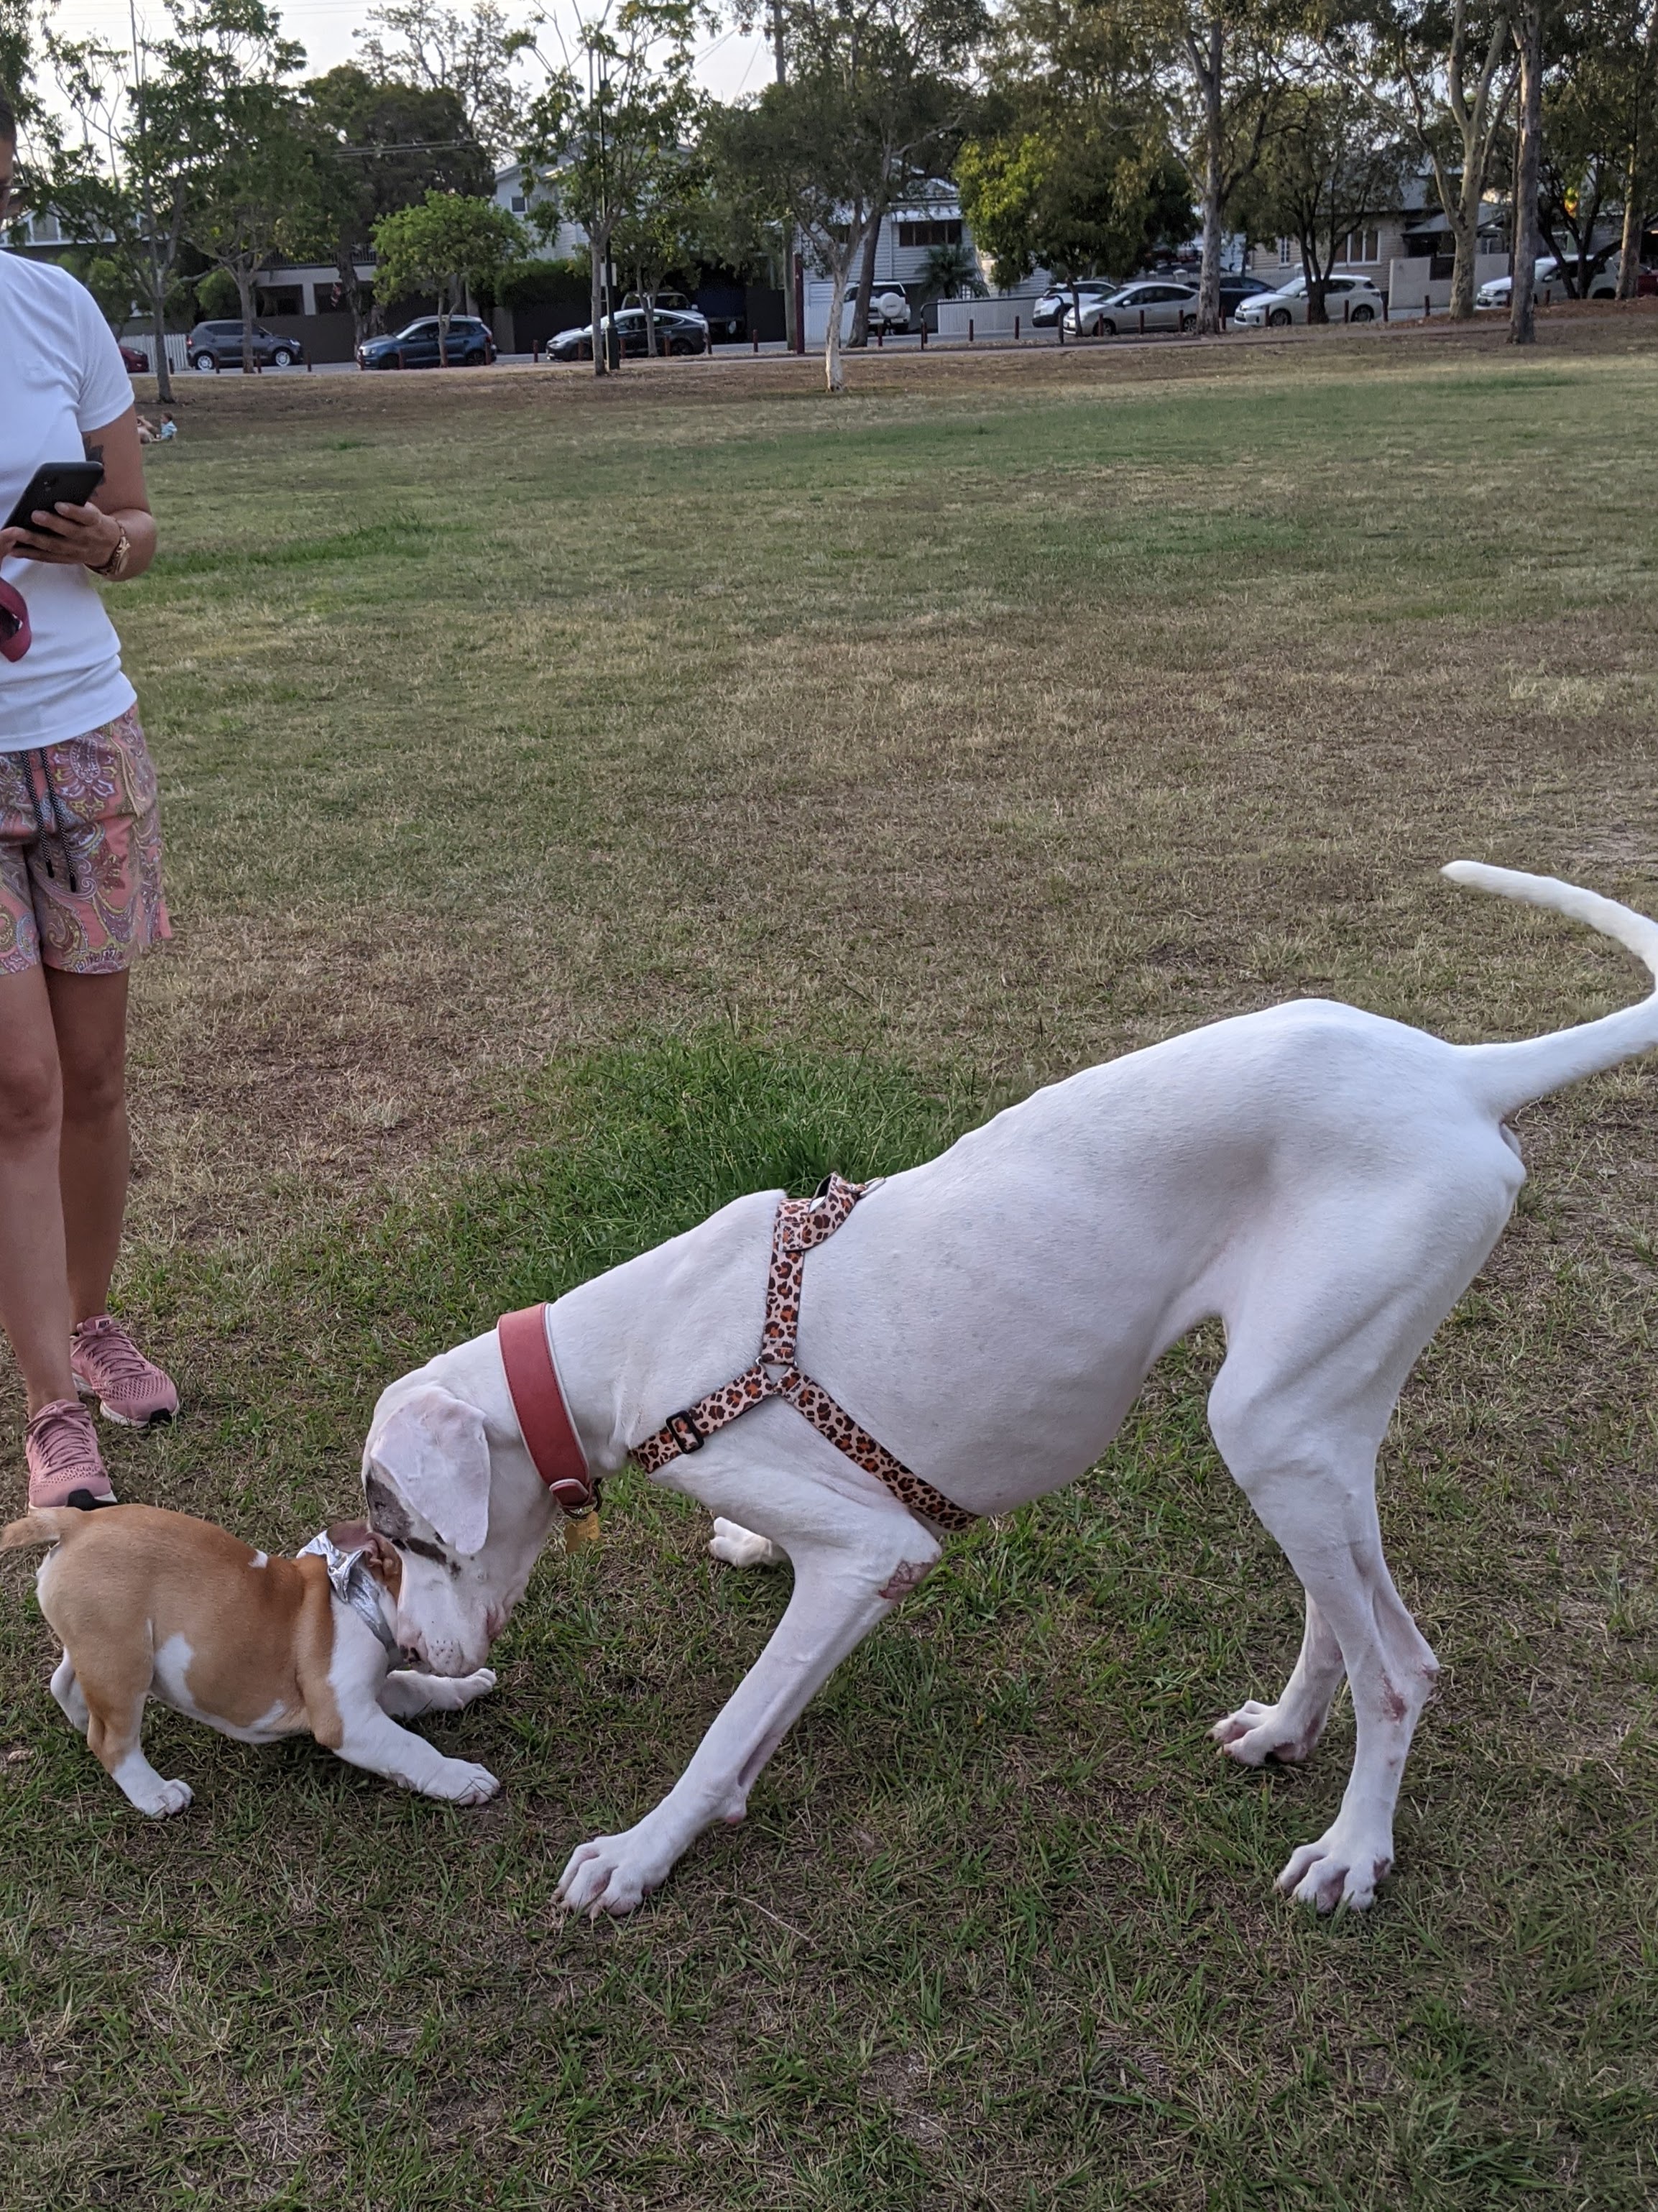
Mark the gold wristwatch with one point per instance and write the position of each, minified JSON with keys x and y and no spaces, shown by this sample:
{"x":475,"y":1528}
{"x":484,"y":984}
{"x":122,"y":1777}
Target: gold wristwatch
{"x":115,"y":567}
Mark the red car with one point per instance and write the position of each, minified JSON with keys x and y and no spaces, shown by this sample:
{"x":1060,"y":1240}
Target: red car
{"x":135,"y":362}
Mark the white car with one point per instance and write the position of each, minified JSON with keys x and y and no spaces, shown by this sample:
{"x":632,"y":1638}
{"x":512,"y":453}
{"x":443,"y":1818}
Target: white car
{"x":1346,"y":300}
{"x":1603,"y":285}
{"x":888,"y":310}
{"x":1154,"y":304}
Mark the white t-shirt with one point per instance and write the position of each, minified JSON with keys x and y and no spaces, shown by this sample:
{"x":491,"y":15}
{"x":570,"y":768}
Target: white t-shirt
{"x":60,"y":374}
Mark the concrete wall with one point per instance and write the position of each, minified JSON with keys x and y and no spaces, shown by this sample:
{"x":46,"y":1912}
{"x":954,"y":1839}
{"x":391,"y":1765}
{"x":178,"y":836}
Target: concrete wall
{"x":1409,"y":283}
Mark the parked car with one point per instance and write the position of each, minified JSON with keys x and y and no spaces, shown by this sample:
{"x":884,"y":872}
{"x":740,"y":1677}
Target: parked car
{"x":1153,"y":304}
{"x":134,"y":360}
{"x":1235,"y":290}
{"x":678,"y":330}
{"x":468,"y":344}
{"x":1090,"y":290}
{"x":889,"y":310}
{"x":1546,"y":269}
{"x":213,"y":346}
{"x":1346,"y":299}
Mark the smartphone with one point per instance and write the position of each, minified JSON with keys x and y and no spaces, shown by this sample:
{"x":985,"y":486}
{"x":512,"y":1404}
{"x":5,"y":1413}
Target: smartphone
{"x":74,"y":481}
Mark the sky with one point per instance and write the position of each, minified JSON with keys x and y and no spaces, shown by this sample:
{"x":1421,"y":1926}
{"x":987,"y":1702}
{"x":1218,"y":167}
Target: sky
{"x":729,"y":64}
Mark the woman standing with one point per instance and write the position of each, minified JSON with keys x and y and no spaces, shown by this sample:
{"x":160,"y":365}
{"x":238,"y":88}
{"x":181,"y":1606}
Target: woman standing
{"x":80,"y":872}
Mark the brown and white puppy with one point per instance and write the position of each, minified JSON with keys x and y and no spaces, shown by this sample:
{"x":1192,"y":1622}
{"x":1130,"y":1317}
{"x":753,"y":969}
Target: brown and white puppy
{"x":152,"y":1604}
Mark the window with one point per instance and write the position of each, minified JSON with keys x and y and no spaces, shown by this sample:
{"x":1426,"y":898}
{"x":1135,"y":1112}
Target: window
{"x":518,"y":202}
{"x":1363,"y":246}
{"x":1286,"y":252}
{"x":930,"y":234}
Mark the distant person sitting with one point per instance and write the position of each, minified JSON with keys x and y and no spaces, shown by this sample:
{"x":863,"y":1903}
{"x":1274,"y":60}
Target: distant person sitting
{"x":169,"y":428}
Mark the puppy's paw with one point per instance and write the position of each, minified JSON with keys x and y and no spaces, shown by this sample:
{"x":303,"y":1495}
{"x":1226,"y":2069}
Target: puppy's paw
{"x":614,"y":1873}
{"x":741,"y":1548}
{"x":165,"y":1799}
{"x":459,"y":1782}
{"x":476,"y":1685}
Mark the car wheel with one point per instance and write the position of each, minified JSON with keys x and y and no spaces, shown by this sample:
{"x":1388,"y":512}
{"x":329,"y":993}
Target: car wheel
{"x":1188,"y":322}
{"x":1103,"y":329}
{"x":205,"y":363}
{"x":281,"y":358}
{"x":1280,"y":319}
{"x":1362,"y":315}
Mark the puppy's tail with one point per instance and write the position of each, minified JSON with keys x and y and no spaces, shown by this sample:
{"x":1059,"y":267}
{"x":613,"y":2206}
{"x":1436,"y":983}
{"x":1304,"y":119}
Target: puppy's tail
{"x":42,"y":1524}
{"x":1505,"y":1076}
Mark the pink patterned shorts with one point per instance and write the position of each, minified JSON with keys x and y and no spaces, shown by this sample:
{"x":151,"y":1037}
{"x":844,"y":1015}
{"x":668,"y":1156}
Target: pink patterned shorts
{"x":81,"y":854}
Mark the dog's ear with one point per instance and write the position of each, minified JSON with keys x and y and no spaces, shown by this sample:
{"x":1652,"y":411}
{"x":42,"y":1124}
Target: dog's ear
{"x":434,"y":1448}
{"x":350,"y":1535}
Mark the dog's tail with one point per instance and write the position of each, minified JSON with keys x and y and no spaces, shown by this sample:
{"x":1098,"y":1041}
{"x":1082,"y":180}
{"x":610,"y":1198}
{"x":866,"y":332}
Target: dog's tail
{"x":42,"y":1524}
{"x":1507,"y":1076}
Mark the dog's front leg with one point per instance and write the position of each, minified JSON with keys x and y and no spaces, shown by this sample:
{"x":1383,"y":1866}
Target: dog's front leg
{"x":370,"y":1739}
{"x":405,"y":1693}
{"x":840,"y":1594}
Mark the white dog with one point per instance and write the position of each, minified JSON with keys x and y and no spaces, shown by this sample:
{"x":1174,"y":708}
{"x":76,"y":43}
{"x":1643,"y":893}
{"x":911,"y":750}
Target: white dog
{"x":1326,"y":1181}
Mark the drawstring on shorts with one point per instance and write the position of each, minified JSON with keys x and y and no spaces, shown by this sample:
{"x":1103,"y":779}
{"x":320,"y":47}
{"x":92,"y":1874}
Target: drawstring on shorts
{"x":56,"y":827}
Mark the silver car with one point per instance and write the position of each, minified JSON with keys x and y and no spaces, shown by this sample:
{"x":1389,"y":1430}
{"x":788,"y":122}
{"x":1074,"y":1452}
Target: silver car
{"x":1153,"y":304}
{"x":1346,"y":300}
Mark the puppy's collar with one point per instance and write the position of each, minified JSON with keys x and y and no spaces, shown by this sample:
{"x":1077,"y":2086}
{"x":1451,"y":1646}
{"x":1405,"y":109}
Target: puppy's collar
{"x":352,"y":1585}
{"x":549,"y":1434}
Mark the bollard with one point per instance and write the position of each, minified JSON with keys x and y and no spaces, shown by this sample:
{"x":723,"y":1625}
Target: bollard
{"x":756,"y":335}
{"x":1345,"y":305}
{"x":1142,"y":322}
{"x":924,"y":338}
{"x":309,"y":364}
{"x":1015,"y":330}
{"x":881,"y":339}
{"x":969,"y":330}
{"x":1427,"y":304}
{"x":1384,"y":306}
{"x":1060,"y":326}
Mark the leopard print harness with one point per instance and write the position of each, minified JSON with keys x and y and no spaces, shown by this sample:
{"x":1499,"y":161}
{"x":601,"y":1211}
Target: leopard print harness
{"x":801,"y":1223}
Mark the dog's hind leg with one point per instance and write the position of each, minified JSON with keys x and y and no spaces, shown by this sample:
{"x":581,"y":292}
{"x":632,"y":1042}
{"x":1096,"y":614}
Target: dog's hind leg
{"x":115,"y":1711}
{"x":68,"y":1694}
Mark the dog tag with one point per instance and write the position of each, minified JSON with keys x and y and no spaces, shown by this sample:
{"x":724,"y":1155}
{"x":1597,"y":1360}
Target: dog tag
{"x":582,"y":1529}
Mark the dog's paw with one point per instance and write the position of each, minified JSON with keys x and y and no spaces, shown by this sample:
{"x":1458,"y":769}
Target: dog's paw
{"x":614,"y":1873}
{"x":1342,"y":1868}
{"x":1256,"y":1733}
{"x":478,"y":1683}
{"x":165,"y":1799}
{"x":741,"y":1548}
{"x":459,"y":1782}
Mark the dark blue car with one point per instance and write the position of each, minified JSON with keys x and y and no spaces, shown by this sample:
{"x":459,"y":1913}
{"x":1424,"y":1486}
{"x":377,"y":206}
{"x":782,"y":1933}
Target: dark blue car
{"x":467,"y":344}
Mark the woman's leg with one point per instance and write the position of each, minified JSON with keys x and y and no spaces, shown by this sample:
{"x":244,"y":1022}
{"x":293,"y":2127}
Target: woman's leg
{"x":89,"y":1014}
{"x":34,"y":1295}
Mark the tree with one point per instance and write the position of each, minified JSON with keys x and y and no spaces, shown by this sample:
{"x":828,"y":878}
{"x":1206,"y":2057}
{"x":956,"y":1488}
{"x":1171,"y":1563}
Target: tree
{"x":609,"y":139}
{"x":1526,"y":25}
{"x":472,"y":58}
{"x":1641,"y":171}
{"x":1229,"y":50}
{"x":1453,"y":61}
{"x":1081,"y":175}
{"x":1334,"y":163}
{"x":1598,"y":130}
{"x":452,"y":246}
{"x":255,"y":181}
{"x":389,"y":144}
{"x":873,"y":105}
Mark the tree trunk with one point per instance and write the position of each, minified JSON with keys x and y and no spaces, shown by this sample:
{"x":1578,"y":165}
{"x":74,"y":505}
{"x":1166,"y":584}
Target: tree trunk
{"x":865,"y":288}
{"x":1208,"y":66}
{"x":158,"y":318}
{"x":1522,"y":306}
{"x":647,"y":294}
{"x":1629,"y":246}
{"x":792,"y":338}
{"x":444,"y":310}
{"x":597,"y":253}
{"x":834,"y":374}
{"x":244,"y":299}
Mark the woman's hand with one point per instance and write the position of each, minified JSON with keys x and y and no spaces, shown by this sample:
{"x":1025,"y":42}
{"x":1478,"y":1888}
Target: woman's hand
{"x":67,"y":535}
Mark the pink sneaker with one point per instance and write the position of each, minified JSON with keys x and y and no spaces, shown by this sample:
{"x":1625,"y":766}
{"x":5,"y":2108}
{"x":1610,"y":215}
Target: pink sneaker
{"x":65,"y":1466}
{"x":109,"y":1366}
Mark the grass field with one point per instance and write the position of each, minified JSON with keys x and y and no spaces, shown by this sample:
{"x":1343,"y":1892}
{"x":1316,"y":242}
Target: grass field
{"x":584,"y":804}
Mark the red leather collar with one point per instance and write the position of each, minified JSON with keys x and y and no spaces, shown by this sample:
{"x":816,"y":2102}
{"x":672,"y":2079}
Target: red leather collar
{"x":549,"y":1432}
